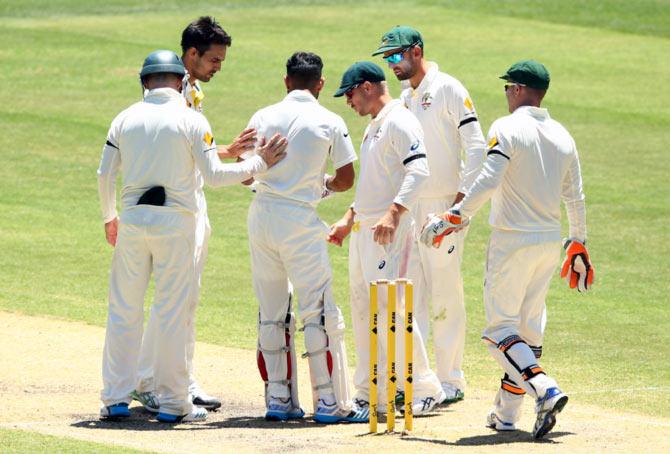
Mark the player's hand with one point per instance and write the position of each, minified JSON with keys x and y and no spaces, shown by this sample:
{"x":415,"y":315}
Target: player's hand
{"x":244,"y":142}
{"x":274,"y":150}
{"x":111,"y":231}
{"x":325,"y":192}
{"x":339,"y":231}
{"x":386,"y":227}
{"x":437,"y":227}
{"x":577,"y":269}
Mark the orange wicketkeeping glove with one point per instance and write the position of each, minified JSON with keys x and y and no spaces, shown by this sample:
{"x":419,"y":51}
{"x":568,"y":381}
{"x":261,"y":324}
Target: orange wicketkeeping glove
{"x":577,"y":268}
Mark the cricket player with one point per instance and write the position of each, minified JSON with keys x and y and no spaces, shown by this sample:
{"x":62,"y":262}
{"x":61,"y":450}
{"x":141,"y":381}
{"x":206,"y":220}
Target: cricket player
{"x":531,"y":165}
{"x":393,"y":169}
{"x":204,"y":45}
{"x":157,"y":144}
{"x":447,"y":114}
{"x":288,"y":241}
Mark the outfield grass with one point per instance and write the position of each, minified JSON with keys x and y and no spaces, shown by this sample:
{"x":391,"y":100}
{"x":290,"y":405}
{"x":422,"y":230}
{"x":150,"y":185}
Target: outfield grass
{"x":69,"y":67}
{"x":19,"y":441}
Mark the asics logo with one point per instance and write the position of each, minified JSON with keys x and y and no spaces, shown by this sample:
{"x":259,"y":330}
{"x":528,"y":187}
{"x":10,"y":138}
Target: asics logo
{"x":414,"y":146}
{"x":382,"y":264}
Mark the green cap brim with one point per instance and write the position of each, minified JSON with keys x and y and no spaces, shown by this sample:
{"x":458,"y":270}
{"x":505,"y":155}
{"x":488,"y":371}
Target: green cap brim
{"x":383,"y":49}
{"x":341,"y":91}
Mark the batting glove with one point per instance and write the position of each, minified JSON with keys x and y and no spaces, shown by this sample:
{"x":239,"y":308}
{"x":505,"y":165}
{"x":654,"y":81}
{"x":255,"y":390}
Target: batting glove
{"x":577,"y":269}
{"x":437,"y":227}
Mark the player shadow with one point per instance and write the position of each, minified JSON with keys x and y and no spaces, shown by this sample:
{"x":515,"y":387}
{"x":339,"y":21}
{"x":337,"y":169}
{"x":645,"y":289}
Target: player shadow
{"x":493,"y":439}
{"x":259,"y":422}
{"x":139,"y":420}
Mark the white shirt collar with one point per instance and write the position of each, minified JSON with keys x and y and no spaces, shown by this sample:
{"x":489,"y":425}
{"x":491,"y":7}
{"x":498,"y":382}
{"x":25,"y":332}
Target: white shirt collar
{"x":386,"y":109}
{"x":163,"y":94}
{"x":301,"y":95}
{"x":537,"y":112}
{"x":428,"y":78}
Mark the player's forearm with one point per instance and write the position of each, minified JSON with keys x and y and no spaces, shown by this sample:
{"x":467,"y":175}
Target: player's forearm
{"x":573,"y":198}
{"x":485,"y":184}
{"x":343,"y":179}
{"x":107,"y":171}
{"x":410,"y":189}
{"x":217,"y":174}
{"x":107,"y":194}
{"x":474,"y":146}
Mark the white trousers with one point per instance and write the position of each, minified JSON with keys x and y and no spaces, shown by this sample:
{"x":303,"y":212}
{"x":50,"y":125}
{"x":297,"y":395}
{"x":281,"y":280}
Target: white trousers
{"x":145,"y":374}
{"x":437,"y":277}
{"x":158,"y":240}
{"x":287,"y":241}
{"x":368,"y":261}
{"x":519,"y":269}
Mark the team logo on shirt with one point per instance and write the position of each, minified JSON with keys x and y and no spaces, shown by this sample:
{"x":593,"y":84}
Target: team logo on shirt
{"x":493,"y":142}
{"x":426,"y":100}
{"x":468,"y":104}
{"x":208,"y":139}
{"x":377,"y":135}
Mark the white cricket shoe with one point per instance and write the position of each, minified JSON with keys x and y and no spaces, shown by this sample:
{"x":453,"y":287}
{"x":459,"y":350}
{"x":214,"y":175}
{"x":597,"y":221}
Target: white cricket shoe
{"x":330,"y":413}
{"x":196,"y":415}
{"x":282,"y":409}
{"x":148,"y":399}
{"x":495,"y":423}
{"x":547,"y":408}
{"x":452,"y":393}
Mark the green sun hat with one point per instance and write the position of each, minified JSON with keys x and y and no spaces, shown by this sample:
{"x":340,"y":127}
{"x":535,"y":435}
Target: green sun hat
{"x":400,"y":36}
{"x":529,"y":73}
{"x":359,"y":72}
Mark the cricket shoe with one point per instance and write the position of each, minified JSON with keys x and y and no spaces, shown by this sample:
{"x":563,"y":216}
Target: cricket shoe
{"x":202,"y":399}
{"x":495,"y":423}
{"x":148,"y":399}
{"x":280,"y":409}
{"x":115,"y":412}
{"x":361,"y":403}
{"x":196,"y":415}
{"x":547,"y":408}
{"x":331,"y":413}
{"x":452,"y":394}
{"x":425,"y":405}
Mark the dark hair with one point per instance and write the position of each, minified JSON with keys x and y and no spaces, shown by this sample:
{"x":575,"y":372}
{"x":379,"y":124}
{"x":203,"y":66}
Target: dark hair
{"x":202,"y":33}
{"x":304,"y":69}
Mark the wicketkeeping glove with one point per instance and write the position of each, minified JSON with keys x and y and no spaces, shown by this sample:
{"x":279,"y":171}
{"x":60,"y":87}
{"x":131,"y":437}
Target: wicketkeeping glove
{"x":437,"y":227}
{"x":577,"y":268}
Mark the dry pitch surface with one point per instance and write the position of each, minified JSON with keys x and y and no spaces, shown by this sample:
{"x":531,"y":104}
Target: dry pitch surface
{"x":50,"y":382}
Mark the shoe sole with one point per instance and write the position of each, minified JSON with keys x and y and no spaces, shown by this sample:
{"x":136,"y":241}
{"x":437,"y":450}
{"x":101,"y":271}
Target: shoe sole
{"x":550,"y":418}
{"x":207,"y":405}
{"x":329,"y":419}
{"x":451,"y":400}
{"x":164,"y":417}
{"x":281,"y":416}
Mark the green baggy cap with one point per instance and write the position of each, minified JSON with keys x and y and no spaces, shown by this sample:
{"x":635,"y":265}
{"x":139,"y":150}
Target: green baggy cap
{"x":400,"y":36}
{"x":529,"y":73}
{"x":358,"y":73}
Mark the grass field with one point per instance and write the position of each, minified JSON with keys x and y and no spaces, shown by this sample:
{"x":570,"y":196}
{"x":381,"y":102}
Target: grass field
{"x":69,"y":66}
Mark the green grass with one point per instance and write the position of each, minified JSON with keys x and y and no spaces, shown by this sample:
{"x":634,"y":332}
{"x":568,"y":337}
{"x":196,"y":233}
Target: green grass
{"x":69,"y":67}
{"x":19,"y":441}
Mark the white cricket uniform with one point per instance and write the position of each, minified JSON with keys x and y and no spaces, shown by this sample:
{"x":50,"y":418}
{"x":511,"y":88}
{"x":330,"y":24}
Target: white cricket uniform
{"x":156,"y":142}
{"x":449,"y":121}
{"x":193,"y":95}
{"x":288,"y":240}
{"x":393,"y":169}
{"x":531,"y":165}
